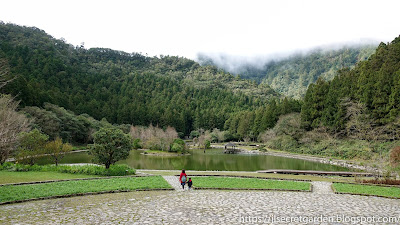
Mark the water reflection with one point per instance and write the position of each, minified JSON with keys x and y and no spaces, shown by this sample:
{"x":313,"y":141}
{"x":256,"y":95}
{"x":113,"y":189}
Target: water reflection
{"x":213,"y":159}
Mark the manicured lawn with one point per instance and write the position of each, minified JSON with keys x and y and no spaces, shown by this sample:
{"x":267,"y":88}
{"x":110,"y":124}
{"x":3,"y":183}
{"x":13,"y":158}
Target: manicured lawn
{"x":21,"y":192}
{"x":230,"y":182}
{"x":367,"y":190}
{"x":254,"y":174}
{"x":7,"y":177}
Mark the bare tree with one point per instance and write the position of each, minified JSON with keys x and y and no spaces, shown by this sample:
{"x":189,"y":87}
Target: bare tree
{"x":170,"y":136}
{"x":11,"y":124}
{"x":219,"y":134}
{"x":153,"y":137}
{"x":267,"y":135}
{"x":5,"y":76}
{"x":359,"y":124}
{"x":318,"y":134}
{"x":135,"y":132}
{"x":203,"y":138}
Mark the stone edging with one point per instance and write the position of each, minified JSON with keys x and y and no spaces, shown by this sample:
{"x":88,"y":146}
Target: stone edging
{"x":238,"y":176}
{"x":380,"y":196}
{"x":312,"y":158}
{"x":84,"y":194}
{"x":335,"y":162}
{"x":251,"y":189}
{"x":359,"y":194}
{"x":92,"y":178}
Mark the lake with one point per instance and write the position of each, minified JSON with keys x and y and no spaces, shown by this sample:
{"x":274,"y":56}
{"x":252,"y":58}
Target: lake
{"x":213,"y":159}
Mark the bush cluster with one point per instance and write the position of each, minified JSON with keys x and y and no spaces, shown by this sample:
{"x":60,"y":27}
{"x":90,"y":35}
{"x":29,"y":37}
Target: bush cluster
{"x":114,"y":170}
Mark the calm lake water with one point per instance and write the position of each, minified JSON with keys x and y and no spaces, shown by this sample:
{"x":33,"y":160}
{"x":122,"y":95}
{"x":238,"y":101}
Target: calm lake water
{"x":213,"y":159}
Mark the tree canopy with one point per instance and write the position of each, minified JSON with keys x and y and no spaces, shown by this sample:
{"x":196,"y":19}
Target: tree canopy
{"x":110,"y":145}
{"x":290,"y":76}
{"x":363,"y":100}
{"x":55,"y":79}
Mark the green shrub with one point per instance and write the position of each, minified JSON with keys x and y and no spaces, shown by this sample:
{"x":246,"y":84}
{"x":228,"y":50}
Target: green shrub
{"x":21,"y":168}
{"x":114,"y":170}
{"x":178,"y":146}
{"x":31,"y":145}
{"x":194,"y":134}
{"x":120,"y":170}
{"x":6,"y":166}
{"x":137,"y":143}
{"x":207,"y":144}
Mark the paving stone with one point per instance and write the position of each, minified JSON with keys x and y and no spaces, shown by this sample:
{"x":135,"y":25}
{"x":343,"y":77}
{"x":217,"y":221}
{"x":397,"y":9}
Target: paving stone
{"x":174,"y":182}
{"x":320,"y":187}
{"x":197,"y":207}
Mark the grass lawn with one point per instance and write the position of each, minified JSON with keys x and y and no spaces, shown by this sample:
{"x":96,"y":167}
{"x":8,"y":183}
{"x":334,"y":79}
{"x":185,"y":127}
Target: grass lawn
{"x":7,"y":177}
{"x":21,"y":192}
{"x":367,"y":190}
{"x":230,"y":182}
{"x":254,"y":174}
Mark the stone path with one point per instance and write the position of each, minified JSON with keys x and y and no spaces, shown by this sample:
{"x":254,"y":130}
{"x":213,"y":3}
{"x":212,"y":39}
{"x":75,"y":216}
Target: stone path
{"x":174,"y":182}
{"x":320,"y":187}
{"x":203,"y":207}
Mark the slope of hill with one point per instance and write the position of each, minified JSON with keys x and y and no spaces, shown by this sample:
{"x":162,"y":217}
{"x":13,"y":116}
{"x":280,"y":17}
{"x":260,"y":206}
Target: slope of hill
{"x":124,"y":87}
{"x":362,"y":102}
{"x":291,"y":76}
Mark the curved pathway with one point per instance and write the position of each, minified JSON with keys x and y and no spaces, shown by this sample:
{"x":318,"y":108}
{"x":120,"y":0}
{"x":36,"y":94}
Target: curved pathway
{"x":200,"y":207}
{"x":174,"y":182}
{"x":320,"y":187}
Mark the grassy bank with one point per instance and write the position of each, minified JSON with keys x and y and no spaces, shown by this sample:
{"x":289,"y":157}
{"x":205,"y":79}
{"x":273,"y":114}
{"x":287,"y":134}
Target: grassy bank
{"x":367,"y":190}
{"x":372,"y":155}
{"x":23,"y":192}
{"x":7,"y":177}
{"x":245,"y":183}
{"x":163,"y":153}
{"x":114,"y":170}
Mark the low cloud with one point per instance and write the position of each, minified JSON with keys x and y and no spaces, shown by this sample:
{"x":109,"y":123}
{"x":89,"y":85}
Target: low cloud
{"x":238,"y":64}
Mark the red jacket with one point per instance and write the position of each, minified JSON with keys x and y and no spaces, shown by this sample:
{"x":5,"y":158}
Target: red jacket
{"x":180,"y":177}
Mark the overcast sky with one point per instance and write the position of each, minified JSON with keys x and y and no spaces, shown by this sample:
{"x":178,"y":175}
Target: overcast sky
{"x":184,"y":28}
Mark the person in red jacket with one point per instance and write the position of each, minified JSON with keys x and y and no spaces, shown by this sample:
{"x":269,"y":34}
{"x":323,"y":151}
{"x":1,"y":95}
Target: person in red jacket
{"x":183,"y":179}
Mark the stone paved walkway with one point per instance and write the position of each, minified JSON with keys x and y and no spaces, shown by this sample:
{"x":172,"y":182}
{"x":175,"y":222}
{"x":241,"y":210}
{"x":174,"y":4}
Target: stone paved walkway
{"x":320,"y":187}
{"x":197,"y":207}
{"x":174,"y":182}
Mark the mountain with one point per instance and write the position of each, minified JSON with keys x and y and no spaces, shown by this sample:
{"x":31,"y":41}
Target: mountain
{"x":127,"y":88}
{"x":363,"y":101}
{"x":290,"y":76}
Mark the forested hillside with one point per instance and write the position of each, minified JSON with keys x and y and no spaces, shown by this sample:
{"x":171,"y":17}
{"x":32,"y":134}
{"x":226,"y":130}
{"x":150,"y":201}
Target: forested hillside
{"x":128,"y":88}
{"x":355,"y":115}
{"x":292,"y":75}
{"x":363,"y":101}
